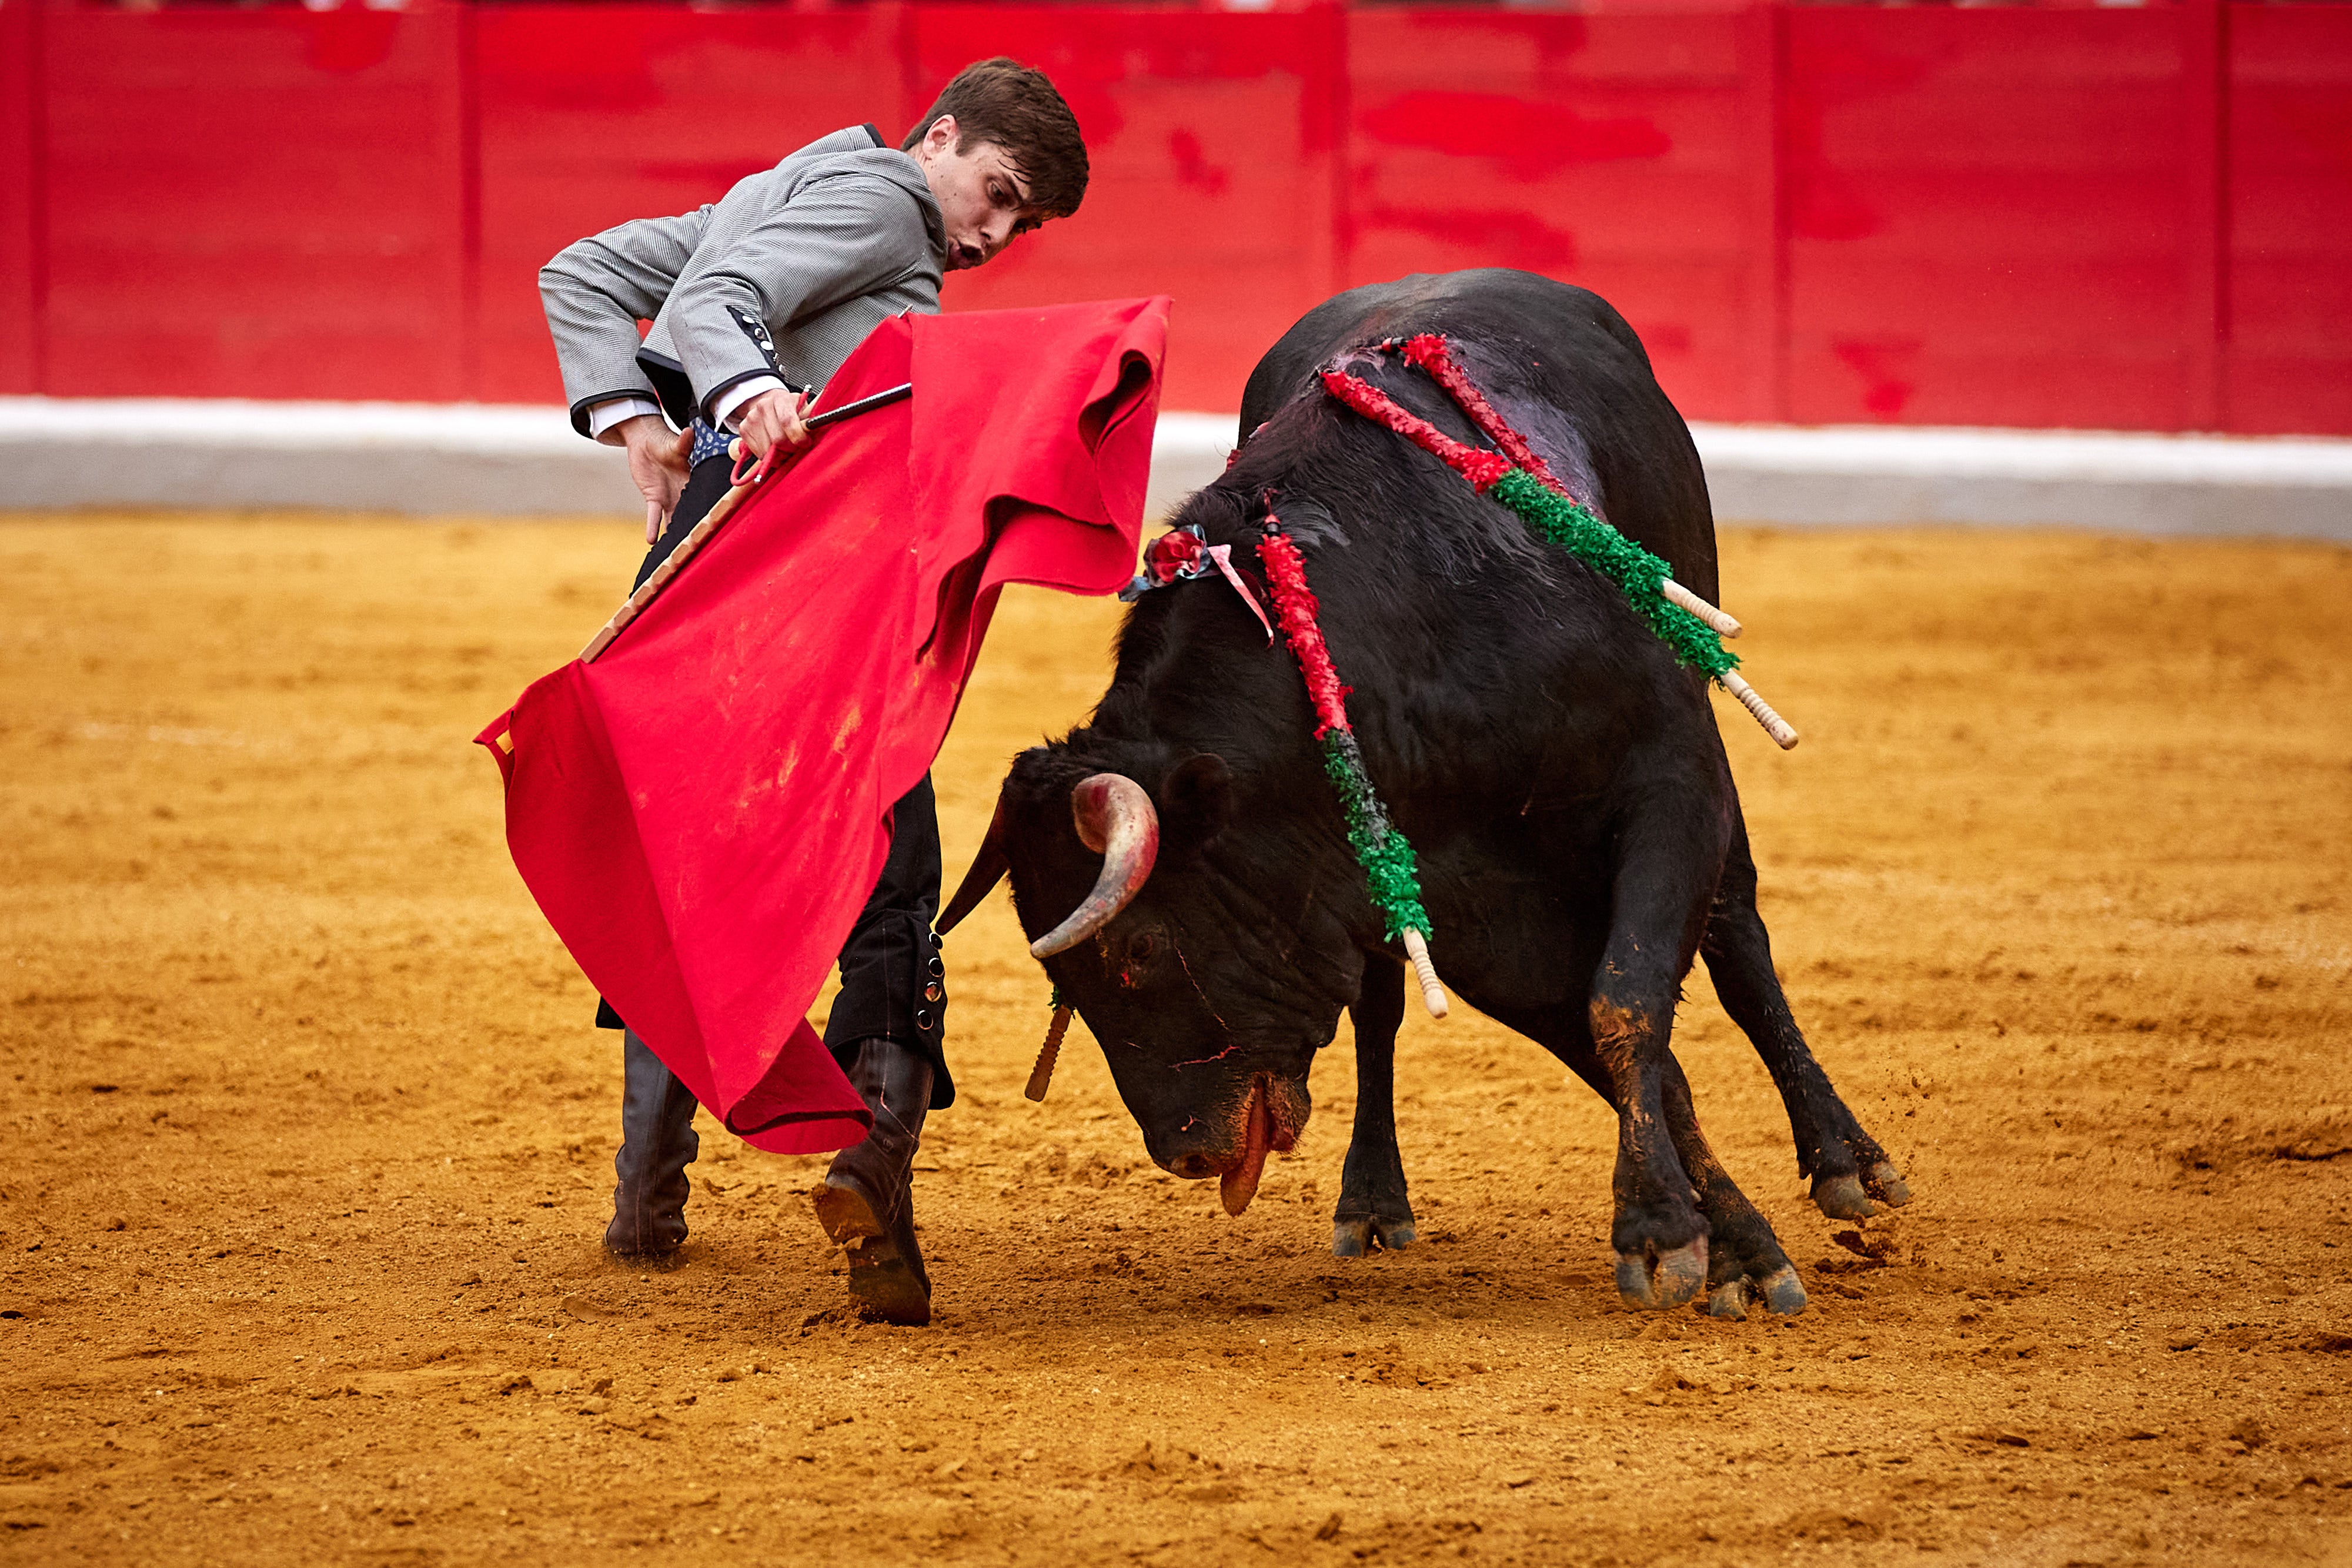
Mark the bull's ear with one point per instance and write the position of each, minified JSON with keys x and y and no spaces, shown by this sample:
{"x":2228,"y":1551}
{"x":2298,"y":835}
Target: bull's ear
{"x":1196,"y":802}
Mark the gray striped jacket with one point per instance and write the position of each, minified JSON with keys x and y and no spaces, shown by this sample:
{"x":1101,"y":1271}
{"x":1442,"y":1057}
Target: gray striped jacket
{"x":784,"y":276}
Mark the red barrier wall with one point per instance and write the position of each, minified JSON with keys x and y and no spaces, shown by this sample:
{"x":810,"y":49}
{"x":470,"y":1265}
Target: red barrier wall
{"x":20,"y":202}
{"x":1997,"y":217}
{"x":254,"y":203}
{"x":591,"y":115}
{"x":2288,"y":325}
{"x":1212,"y":137}
{"x":1628,"y":154}
{"x":2130,"y":218}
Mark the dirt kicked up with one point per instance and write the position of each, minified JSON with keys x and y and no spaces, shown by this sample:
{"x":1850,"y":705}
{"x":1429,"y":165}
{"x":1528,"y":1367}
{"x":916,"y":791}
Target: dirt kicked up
{"x":309,"y":1139}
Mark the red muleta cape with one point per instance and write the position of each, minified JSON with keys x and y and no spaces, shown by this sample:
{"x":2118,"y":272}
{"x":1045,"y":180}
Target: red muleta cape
{"x":702,"y":811}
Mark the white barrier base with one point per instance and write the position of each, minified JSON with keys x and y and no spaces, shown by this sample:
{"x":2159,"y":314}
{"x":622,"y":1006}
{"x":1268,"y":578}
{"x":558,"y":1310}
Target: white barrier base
{"x":516,"y":461}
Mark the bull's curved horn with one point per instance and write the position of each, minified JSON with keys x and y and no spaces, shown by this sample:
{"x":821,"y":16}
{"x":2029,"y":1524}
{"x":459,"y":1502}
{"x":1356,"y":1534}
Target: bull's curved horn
{"x":1114,"y":816}
{"x":988,"y":869}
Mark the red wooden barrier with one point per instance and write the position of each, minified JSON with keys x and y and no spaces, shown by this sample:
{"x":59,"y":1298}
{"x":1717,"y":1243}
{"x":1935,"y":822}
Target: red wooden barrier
{"x":2136,"y":218}
{"x":254,"y":203}
{"x":2287,"y":332}
{"x":1212,"y":139}
{"x":20,"y":202}
{"x":1990,"y":218}
{"x":1627,"y":153}
{"x":591,"y":115}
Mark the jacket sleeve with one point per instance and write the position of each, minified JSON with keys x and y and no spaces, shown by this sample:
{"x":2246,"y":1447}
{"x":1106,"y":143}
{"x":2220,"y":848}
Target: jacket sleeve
{"x":597,"y":290}
{"x":836,"y":238}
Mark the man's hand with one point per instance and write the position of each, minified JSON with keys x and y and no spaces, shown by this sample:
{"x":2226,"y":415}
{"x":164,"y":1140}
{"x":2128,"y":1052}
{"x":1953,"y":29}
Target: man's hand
{"x":658,"y":463}
{"x":771,"y":419}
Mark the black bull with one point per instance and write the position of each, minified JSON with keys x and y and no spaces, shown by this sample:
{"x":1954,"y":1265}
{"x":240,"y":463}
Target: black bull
{"x":1561,"y":777}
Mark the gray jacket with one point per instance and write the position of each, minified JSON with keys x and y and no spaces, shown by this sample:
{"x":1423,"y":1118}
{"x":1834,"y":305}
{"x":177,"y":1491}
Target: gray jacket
{"x":783,"y":277}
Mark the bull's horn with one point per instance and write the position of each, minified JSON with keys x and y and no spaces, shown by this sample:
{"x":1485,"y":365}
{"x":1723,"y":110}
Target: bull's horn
{"x":988,"y":869}
{"x":1115,"y":816}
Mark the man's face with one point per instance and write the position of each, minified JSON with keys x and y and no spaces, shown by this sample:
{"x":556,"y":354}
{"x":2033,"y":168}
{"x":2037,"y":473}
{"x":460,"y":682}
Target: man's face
{"x":981,"y":194}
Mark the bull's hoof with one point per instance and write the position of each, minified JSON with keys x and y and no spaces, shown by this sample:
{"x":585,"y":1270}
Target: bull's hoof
{"x":1887,"y":1185}
{"x":1784,"y":1293}
{"x":1353,"y":1238}
{"x":1841,"y":1197}
{"x":1849,"y":1197}
{"x":1654,"y":1282}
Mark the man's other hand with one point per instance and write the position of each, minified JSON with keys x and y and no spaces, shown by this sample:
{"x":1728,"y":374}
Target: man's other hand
{"x":771,"y":419}
{"x":657,"y":461}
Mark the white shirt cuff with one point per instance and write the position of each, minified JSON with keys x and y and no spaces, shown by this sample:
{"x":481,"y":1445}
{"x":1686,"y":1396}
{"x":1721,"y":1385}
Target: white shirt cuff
{"x":602,"y":416}
{"x":722,"y":413}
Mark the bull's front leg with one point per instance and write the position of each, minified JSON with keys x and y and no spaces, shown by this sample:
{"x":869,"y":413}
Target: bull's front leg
{"x":1373,"y":1204}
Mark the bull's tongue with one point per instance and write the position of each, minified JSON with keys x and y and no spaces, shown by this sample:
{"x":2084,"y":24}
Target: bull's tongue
{"x":1239,"y":1185}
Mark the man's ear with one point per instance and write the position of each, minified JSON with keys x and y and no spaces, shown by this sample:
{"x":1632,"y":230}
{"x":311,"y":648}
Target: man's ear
{"x":1196,"y":802}
{"x":940,"y":135}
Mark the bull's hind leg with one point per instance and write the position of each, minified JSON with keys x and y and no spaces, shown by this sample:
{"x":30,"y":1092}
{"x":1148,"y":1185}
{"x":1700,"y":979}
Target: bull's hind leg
{"x":1373,"y":1204}
{"x":1847,"y":1166}
{"x":1744,"y":1261}
{"x":1666,"y":871}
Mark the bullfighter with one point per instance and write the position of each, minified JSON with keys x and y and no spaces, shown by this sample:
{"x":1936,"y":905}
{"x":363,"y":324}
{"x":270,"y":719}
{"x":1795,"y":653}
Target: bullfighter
{"x":755,"y":301}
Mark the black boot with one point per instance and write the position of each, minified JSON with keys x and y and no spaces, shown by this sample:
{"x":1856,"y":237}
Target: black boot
{"x":867,"y":1201}
{"x":657,"y":1143}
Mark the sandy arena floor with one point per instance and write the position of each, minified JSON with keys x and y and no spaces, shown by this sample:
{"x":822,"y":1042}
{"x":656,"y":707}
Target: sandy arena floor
{"x":309,"y":1138}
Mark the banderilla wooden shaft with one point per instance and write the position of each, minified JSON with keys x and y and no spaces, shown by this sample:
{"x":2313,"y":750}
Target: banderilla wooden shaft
{"x":1047,"y":1054}
{"x":1725,"y":626}
{"x":1432,"y":995}
{"x":1781,"y":731}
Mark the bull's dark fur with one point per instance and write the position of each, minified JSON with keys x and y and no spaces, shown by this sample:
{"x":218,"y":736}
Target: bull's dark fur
{"x":1561,"y":777}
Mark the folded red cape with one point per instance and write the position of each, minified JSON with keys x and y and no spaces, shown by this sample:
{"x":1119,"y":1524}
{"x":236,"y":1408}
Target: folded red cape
{"x":702,"y":811}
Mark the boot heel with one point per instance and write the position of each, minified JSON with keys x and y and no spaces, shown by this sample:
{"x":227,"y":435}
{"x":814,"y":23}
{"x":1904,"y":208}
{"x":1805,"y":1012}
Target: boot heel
{"x":885,"y":1272}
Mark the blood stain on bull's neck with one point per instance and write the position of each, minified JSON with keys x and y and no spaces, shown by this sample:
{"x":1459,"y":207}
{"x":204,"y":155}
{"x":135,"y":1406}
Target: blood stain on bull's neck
{"x":1198,"y":991}
{"x":1205,"y":1061}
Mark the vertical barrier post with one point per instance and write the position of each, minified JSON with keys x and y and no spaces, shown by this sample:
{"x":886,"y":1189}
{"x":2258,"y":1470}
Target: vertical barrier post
{"x":469,"y":203}
{"x":1342,"y":98}
{"x":23,"y":243}
{"x":2205,"y":172}
{"x":1764,"y":338}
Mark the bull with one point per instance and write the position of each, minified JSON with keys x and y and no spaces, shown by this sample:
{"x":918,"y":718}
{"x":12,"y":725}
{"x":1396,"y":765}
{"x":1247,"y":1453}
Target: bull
{"x":1181,"y":864}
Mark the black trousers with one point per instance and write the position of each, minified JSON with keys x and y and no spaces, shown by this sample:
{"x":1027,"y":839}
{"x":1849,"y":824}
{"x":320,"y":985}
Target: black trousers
{"x":893,"y":982}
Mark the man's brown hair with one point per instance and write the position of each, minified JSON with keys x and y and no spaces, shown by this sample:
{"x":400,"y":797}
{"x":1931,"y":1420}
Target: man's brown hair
{"x":1006,"y":103}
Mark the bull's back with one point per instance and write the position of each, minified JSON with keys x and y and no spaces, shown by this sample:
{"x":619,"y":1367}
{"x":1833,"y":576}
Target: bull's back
{"x":1531,"y":339}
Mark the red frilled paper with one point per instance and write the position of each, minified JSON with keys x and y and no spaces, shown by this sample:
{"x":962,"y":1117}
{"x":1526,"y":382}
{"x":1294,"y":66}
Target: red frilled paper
{"x":702,"y":811}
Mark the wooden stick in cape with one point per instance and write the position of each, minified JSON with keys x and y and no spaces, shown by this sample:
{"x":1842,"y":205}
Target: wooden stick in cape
{"x":699,"y":535}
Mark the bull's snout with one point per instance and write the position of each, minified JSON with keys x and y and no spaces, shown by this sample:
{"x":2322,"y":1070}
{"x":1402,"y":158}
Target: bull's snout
{"x":1232,"y":1145}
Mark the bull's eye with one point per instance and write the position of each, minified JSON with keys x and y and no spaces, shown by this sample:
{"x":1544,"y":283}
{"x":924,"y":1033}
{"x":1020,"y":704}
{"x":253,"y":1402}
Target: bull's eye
{"x":1143,"y":946}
